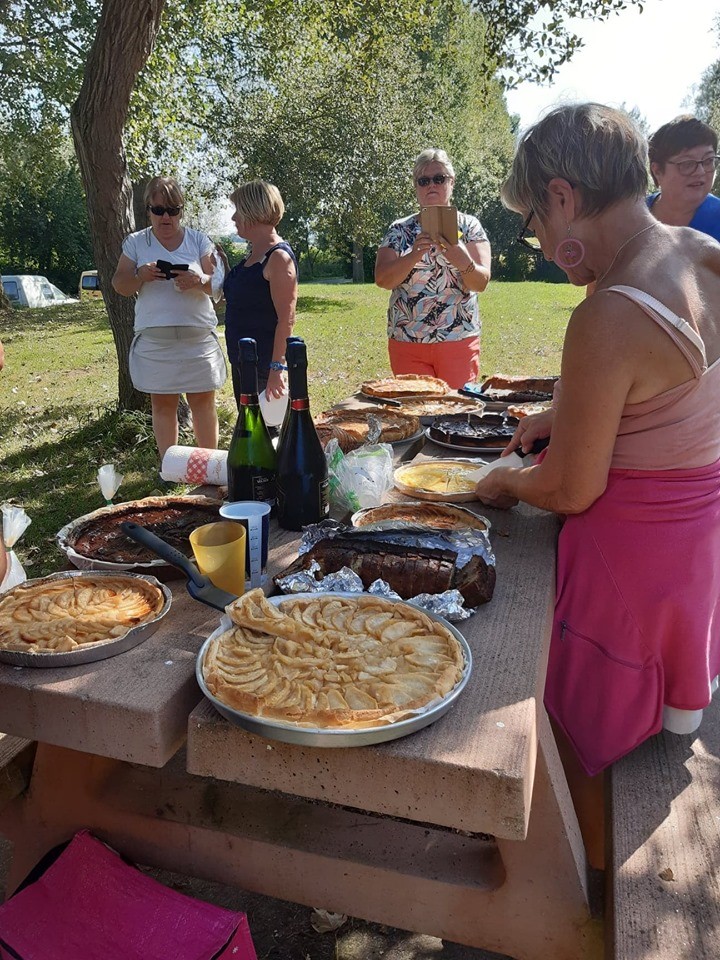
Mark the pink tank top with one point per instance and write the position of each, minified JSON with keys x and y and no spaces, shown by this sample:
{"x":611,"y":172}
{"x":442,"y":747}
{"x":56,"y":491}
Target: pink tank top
{"x":679,"y":428}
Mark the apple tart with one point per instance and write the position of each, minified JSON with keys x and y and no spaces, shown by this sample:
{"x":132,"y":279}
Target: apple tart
{"x":62,"y":614}
{"x":405,"y":385}
{"x":331,"y":661}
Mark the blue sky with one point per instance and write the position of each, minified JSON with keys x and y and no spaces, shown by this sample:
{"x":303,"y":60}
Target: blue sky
{"x":650,"y":60}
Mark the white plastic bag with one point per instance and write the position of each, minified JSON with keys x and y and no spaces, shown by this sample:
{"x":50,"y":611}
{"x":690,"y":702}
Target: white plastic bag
{"x":14,"y":523}
{"x":360,"y":478}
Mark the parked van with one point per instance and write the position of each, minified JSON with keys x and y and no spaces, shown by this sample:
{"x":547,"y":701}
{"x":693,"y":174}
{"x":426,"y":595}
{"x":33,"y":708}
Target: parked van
{"x":89,"y":288}
{"x":24,"y":290}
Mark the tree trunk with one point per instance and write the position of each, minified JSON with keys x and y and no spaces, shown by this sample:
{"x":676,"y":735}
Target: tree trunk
{"x":5,"y":306}
{"x":358,"y":266}
{"x":138,"y":189}
{"x":125,"y":35}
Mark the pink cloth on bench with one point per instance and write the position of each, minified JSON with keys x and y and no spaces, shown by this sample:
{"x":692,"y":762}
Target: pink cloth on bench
{"x":90,"y":905}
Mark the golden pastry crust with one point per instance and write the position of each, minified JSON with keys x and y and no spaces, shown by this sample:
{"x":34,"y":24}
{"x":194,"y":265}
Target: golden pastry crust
{"x":395,"y":426}
{"x":441,"y":406}
{"x":406,"y":385}
{"x":59,"y":615}
{"x":521,"y":410}
{"x":331,"y":662}
{"x":439,"y":516}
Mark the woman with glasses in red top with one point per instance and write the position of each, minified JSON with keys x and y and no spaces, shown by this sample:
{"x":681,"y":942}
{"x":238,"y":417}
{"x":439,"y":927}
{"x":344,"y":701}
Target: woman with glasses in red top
{"x":175,"y":349}
{"x":433,"y":317}
{"x":683,"y":160}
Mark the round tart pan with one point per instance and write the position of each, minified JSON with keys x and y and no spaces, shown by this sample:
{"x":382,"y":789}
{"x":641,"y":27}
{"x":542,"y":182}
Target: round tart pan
{"x":328,"y":737}
{"x":101,"y":649}
{"x":66,"y":537}
{"x":405,"y":484}
{"x":439,"y":516}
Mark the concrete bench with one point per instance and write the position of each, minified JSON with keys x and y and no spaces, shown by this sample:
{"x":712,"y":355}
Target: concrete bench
{"x":665,"y":848}
{"x":16,"y":758}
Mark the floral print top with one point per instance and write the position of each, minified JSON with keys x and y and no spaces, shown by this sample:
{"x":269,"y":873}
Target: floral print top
{"x":431,"y":305}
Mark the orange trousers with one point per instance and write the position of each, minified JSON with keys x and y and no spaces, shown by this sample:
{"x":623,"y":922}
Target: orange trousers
{"x":455,"y":361}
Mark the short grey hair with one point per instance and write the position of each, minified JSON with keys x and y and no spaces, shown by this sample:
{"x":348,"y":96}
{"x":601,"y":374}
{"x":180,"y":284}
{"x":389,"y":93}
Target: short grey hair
{"x":432,"y":155}
{"x":597,"y":149}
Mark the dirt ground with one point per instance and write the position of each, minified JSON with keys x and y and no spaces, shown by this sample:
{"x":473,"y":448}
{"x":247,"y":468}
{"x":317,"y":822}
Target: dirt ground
{"x":282,"y":930}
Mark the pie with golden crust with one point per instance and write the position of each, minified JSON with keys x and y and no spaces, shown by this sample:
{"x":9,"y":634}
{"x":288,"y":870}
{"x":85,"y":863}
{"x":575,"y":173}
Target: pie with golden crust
{"x":442,"y":480}
{"x":56,"y":615}
{"x":406,"y":385}
{"x":438,"y":516}
{"x":394,"y":426}
{"x":331,"y":661}
{"x":430,"y":407}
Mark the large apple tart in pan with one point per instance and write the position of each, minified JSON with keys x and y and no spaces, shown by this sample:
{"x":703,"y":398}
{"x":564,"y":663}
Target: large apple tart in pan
{"x":331,"y":661}
{"x":59,"y":615}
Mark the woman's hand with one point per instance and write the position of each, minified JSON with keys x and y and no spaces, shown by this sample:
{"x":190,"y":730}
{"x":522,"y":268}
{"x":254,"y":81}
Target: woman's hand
{"x":423,"y":244}
{"x":189,"y":280}
{"x":149,"y":272}
{"x":275,"y":385}
{"x":537,"y":426}
{"x":490,"y":490}
{"x":456,"y":253}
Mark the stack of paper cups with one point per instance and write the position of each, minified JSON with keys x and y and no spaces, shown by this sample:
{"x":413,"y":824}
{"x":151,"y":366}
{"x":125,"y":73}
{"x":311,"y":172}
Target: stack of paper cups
{"x":195,"y":465}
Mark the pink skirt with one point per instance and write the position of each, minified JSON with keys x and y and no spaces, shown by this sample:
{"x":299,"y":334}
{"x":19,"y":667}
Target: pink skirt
{"x":637,"y":615}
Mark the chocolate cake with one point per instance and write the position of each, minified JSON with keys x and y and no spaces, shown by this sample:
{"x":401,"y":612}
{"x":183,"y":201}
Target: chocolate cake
{"x":518,"y":389}
{"x":468,"y":430}
{"x":99,"y":537}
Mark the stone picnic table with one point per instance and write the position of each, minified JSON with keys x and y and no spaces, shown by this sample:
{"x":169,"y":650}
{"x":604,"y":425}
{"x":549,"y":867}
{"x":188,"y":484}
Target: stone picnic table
{"x":464,"y":830}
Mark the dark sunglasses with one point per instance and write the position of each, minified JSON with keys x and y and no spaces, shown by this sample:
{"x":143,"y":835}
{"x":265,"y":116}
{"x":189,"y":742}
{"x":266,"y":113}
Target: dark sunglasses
{"x":161,"y":211}
{"x":526,"y":238}
{"x":439,"y":179}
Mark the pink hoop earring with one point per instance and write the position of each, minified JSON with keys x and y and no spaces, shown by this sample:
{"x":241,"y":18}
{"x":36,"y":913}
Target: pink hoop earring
{"x":569,"y":253}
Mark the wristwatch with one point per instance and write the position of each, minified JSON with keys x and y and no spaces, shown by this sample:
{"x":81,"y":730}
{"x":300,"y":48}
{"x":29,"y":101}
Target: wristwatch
{"x":276,"y":365}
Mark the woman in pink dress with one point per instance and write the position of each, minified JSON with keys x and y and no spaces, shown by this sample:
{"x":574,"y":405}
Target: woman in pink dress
{"x":633,"y":460}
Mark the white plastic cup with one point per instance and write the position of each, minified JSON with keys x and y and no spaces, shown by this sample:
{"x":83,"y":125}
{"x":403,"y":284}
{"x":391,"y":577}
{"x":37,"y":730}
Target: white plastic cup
{"x":273,"y":410}
{"x":254,"y":515}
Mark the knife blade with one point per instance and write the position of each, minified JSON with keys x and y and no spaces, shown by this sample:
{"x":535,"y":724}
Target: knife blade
{"x":384,"y":400}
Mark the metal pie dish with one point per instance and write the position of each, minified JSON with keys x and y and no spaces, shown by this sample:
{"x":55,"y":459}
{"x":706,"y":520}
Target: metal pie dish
{"x":100,"y":649}
{"x":334,"y":737}
{"x":67,"y":536}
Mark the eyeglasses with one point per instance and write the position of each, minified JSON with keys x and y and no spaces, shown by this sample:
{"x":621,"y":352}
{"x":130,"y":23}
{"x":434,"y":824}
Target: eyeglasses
{"x":526,"y":238}
{"x":439,"y":179}
{"x":687,"y":167}
{"x":161,"y":211}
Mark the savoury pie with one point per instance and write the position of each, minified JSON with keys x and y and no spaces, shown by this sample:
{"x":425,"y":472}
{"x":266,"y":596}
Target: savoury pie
{"x":56,"y":615}
{"x":442,"y":480}
{"x":438,"y":516}
{"x":406,"y":385}
{"x":331,"y":661}
{"x":393,"y":426}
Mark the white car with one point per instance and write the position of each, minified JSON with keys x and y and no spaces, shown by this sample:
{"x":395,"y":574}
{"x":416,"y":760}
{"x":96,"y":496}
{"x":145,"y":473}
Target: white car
{"x":24,"y":290}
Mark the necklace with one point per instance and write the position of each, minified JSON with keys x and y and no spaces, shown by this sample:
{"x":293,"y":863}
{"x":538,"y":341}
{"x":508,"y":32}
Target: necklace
{"x":621,"y":248}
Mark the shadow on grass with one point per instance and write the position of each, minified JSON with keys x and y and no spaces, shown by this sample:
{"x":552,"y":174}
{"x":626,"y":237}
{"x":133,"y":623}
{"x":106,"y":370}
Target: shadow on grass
{"x":91,"y":316}
{"x":309,"y":304}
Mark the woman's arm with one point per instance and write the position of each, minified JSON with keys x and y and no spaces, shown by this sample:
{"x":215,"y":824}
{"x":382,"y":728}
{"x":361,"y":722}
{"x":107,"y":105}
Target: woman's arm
{"x":472,"y":259}
{"x":128,"y":278}
{"x":602,"y":360}
{"x":391,"y":268}
{"x":281,"y":274}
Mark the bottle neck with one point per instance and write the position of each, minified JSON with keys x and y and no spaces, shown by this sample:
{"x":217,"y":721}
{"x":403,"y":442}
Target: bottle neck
{"x":248,"y":381}
{"x":298,"y":386}
{"x":300,"y":404}
{"x":249,"y":400}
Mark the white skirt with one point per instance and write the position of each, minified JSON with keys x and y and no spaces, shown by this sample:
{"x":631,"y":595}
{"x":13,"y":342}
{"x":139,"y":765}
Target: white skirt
{"x":177,"y":360}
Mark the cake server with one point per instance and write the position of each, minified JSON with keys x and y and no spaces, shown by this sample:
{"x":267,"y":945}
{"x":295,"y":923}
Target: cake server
{"x":514,"y":459}
{"x":199,"y":586}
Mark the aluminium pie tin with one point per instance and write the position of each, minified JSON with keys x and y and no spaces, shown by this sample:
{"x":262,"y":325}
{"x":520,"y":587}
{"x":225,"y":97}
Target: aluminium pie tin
{"x":338,"y":737}
{"x":101,"y":649}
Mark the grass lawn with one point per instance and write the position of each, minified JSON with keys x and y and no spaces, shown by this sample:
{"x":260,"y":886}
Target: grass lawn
{"x":58,"y":421}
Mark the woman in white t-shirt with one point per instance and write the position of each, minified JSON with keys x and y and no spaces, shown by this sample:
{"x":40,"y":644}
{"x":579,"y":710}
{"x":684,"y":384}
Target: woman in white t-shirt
{"x":175,"y":349}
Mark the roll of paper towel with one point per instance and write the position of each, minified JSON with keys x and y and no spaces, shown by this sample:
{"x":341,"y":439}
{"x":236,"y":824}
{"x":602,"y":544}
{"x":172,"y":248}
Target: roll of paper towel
{"x":195,"y":465}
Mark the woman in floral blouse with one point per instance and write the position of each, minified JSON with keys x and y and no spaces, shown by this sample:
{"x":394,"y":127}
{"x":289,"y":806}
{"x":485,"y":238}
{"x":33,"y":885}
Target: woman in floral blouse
{"x":433,"y":317}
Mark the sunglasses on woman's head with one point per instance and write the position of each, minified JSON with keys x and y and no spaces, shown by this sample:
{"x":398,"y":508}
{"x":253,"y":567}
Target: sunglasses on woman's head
{"x":161,"y":211}
{"x":439,"y":179}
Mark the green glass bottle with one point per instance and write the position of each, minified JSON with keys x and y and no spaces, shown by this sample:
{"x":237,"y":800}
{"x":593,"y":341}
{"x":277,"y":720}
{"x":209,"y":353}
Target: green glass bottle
{"x":252,"y":462}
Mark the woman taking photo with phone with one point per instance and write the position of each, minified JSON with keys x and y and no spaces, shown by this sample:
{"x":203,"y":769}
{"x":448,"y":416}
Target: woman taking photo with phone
{"x":433,"y":317}
{"x":175,"y":349}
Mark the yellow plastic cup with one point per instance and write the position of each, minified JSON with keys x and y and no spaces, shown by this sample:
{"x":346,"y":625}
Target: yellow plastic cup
{"x":219,"y":550}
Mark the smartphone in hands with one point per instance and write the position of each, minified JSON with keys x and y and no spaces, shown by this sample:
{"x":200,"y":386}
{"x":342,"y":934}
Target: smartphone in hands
{"x":440,"y":222}
{"x":167,"y":268}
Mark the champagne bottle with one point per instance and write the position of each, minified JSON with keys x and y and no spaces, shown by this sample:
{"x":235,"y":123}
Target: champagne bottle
{"x":302,"y":485}
{"x":252,"y":461}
